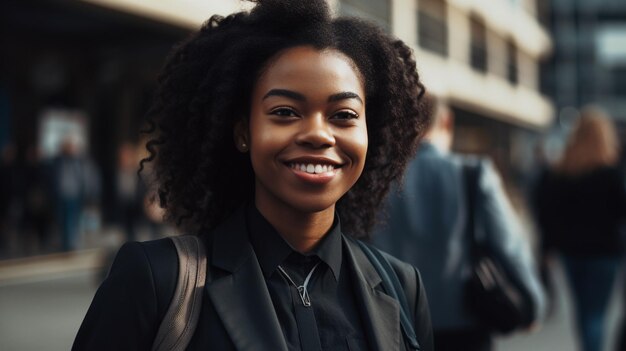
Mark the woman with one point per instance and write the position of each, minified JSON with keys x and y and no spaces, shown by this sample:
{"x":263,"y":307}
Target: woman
{"x":275,"y":131}
{"x":581,"y":206}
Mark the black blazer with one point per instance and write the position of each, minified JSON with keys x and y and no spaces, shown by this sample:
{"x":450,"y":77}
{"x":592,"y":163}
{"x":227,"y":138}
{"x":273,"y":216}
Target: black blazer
{"x":237,"y":311}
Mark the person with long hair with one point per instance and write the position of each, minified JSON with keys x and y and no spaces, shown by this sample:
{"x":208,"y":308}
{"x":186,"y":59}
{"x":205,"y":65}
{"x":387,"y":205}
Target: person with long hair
{"x":581,"y":204}
{"x":277,"y":134}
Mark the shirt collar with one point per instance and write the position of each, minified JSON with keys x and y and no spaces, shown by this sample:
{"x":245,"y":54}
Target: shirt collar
{"x":329,"y":248}
{"x":271,"y":249}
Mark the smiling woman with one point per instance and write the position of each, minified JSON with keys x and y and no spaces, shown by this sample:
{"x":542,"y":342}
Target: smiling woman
{"x":307,"y":114}
{"x":276,"y":135}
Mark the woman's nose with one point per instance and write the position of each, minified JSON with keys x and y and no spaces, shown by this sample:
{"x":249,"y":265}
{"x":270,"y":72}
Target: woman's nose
{"x":316,"y":132}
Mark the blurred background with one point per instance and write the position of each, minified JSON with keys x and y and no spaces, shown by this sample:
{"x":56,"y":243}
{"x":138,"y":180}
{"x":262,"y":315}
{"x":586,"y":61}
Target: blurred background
{"x":76,"y":78}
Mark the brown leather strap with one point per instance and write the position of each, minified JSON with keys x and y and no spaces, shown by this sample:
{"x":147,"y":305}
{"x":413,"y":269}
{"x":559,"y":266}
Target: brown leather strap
{"x":181,"y":318}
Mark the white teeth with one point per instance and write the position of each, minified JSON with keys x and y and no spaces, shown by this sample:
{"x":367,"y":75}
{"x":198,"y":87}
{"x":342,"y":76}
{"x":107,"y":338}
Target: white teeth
{"x":313,"y":168}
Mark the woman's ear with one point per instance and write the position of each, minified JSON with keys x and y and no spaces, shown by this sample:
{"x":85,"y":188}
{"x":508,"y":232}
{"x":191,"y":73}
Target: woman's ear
{"x":241,"y":135}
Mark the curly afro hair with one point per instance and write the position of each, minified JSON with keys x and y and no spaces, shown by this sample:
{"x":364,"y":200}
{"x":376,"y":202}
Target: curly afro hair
{"x":205,"y":88}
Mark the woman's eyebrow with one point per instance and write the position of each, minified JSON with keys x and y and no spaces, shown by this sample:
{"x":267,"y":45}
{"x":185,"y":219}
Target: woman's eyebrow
{"x":286,"y":93}
{"x":343,"y":96}
{"x":300,"y":97}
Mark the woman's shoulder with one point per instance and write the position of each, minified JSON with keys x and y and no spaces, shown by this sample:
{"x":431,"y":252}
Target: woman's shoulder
{"x":412,"y":291}
{"x":406,"y":273}
{"x":399,"y":266}
{"x":364,"y":244}
{"x":156,"y":261}
{"x":160,"y":248}
{"x":135,"y":254}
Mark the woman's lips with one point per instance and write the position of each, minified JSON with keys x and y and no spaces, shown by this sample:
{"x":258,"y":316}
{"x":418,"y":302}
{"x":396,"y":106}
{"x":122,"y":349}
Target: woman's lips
{"x":318,"y":173}
{"x":312,"y":168}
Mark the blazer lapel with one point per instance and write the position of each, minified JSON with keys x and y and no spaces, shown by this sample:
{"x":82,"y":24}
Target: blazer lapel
{"x":241,"y":299}
{"x":380,"y":312}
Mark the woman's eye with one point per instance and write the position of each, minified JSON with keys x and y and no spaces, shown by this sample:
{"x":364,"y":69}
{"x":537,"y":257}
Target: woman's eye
{"x":345,"y":115}
{"x":284,"y":112}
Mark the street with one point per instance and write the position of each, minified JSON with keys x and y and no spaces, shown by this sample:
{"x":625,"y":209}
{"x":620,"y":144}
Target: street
{"x":557,"y":332}
{"x":44,"y":312}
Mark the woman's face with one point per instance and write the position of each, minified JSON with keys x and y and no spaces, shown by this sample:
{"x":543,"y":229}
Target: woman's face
{"x":307,"y":132}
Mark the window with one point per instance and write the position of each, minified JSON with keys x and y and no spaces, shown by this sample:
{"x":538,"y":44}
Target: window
{"x":511,"y":62}
{"x":478,"y":44}
{"x":618,"y":74}
{"x":378,"y":11}
{"x":432,"y":26}
{"x":543,"y":12}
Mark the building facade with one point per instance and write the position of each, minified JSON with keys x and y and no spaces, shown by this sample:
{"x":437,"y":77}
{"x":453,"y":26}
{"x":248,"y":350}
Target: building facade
{"x":589,"y":61}
{"x":98,"y":60}
{"x":484,"y":58}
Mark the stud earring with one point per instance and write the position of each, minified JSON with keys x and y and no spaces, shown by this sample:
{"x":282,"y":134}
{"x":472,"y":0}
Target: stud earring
{"x":244,"y":147}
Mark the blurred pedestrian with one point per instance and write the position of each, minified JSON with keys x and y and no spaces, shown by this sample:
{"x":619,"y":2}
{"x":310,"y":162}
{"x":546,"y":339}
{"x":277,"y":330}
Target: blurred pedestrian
{"x":35,"y":192}
{"x":9,"y":197}
{"x":70,"y":187}
{"x":427,"y":227}
{"x":129,"y":191}
{"x":274,"y":133}
{"x":621,"y":330}
{"x":581,"y":203}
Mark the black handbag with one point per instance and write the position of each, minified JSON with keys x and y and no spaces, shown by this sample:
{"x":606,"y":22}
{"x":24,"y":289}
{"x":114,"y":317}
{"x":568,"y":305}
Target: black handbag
{"x":492,"y":294}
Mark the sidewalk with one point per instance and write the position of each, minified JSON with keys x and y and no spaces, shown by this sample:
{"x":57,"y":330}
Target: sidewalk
{"x":558,"y":330}
{"x":91,"y":256}
{"x":47,"y":266}
{"x":43,"y":300}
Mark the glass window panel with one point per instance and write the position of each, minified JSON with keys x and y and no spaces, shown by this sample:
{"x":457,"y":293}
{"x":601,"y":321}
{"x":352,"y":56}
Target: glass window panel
{"x":432,"y":26}
{"x":511,"y":53}
{"x":378,"y":11}
{"x":478,"y":44}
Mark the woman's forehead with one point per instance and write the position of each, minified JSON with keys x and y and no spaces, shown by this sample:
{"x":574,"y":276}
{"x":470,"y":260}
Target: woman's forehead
{"x":306,"y":67}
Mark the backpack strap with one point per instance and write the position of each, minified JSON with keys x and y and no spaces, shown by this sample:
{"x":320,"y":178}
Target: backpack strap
{"x":180,"y":320}
{"x":393,"y":287}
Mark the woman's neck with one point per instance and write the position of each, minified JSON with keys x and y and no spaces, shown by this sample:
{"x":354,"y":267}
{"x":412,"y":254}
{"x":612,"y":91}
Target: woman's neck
{"x":302,"y":231}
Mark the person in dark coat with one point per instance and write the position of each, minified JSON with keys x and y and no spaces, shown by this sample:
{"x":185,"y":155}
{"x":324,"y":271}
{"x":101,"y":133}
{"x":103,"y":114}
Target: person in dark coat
{"x":37,"y":197}
{"x":277,"y":134}
{"x":129,"y":191}
{"x":68,"y":172}
{"x":9,"y":196}
{"x":581,"y":207}
{"x":427,"y":226}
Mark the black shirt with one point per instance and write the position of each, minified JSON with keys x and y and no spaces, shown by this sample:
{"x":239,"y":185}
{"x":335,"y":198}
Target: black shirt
{"x":336,"y":322}
{"x":582,"y":215}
